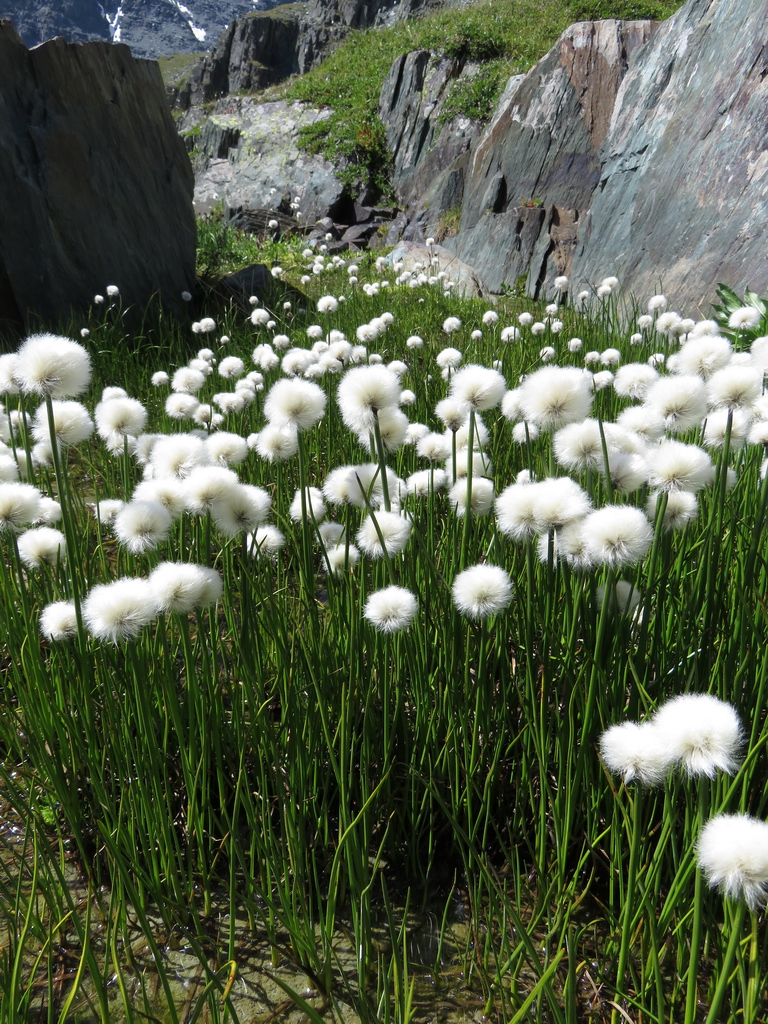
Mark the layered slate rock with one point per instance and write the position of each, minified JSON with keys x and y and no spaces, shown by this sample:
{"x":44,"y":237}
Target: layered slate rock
{"x":95,"y":183}
{"x":532,"y":174}
{"x":683,"y":196}
{"x":430,"y":156}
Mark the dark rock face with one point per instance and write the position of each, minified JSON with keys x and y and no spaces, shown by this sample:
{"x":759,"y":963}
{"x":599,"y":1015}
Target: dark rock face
{"x":263,"y":48}
{"x":429,"y":158}
{"x":532,"y":174}
{"x":95,"y":184}
{"x":683,"y":188}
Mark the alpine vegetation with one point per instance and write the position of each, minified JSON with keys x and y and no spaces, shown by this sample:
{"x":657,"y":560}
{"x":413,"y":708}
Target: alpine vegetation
{"x":384,"y":609}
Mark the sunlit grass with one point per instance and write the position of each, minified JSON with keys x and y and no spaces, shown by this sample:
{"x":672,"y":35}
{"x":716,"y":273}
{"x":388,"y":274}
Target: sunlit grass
{"x":282,"y":758}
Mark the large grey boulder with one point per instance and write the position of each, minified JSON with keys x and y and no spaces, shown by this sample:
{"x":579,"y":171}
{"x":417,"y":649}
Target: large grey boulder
{"x":683,"y":196}
{"x":532,"y":174}
{"x":95,"y":183}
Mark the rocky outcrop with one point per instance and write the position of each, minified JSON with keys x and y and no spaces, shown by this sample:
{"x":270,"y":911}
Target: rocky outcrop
{"x":95,"y":184}
{"x":248,"y":156}
{"x":430,"y":155}
{"x":532,"y":174}
{"x":266,"y":47}
{"x":683,"y":196}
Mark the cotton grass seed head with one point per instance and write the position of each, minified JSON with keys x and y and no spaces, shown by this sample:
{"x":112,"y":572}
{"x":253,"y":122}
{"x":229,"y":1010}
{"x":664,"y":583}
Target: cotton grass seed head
{"x":119,"y":611}
{"x":482,"y":591}
{"x":363,"y":391}
{"x":383,"y":533}
{"x":52,"y":366}
{"x":19,"y":506}
{"x":180,"y":587}
{"x":71,"y":423}
{"x":58,"y":621}
{"x":391,"y":610}
{"x":703,"y":733}
{"x":637,"y":752}
{"x":43,"y":545}
{"x":142,"y":525}
{"x":732,"y":851}
{"x":555,"y":395}
{"x":617,"y":535}
{"x":680,"y":400}
{"x":478,"y":387}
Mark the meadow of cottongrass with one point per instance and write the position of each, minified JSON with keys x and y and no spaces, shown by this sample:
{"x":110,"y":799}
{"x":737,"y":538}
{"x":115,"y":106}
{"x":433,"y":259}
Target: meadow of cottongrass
{"x":316,"y":617}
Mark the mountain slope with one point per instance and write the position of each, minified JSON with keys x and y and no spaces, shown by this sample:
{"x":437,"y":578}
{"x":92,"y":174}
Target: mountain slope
{"x":151,"y":28}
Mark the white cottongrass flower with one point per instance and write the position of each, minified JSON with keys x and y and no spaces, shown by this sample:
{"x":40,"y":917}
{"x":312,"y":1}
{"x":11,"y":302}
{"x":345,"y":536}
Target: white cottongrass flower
{"x":480,"y":497}
{"x":538,"y":328}
{"x":675,"y":466}
{"x":634,"y":379}
{"x":578,"y":446}
{"x":391,"y":610}
{"x":458,"y":467}
{"x":638,"y":752}
{"x":340,"y":558}
{"x":142,"y":525}
{"x":433,"y":446}
{"x":226,"y":449}
{"x":702,"y":733}
{"x":744,"y":318}
{"x":106,"y":510}
{"x":313,"y":505}
{"x":9,"y":469}
{"x":601,"y":380}
{"x":383,"y":533}
{"x":265,"y":541}
{"x":52,"y":367}
{"x":50,"y":512}
{"x":426,"y":481}
{"x":177,"y":455}
{"x":119,"y":610}
{"x":717,"y":426}
{"x":187,"y":380}
{"x":275,"y":443}
{"x":259,"y":317}
{"x":557,"y":501}
{"x":358,"y":485}
{"x":509,"y":334}
{"x":229,"y":402}
{"x":478,"y":387}
{"x":8,"y":385}
{"x":617,"y":535}
{"x":122,"y":416}
{"x":524,"y":433}
{"x":327,"y":304}
{"x":555,"y":395}
{"x":735,"y":387}
{"x":452,"y":412}
{"x":732,"y":851}
{"x":451,"y":324}
{"x":393,"y":425}
{"x":680,"y":400}
{"x":71,"y":423}
{"x":481,"y":591}
{"x":42,"y":545}
{"x":181,"y":587}
{"x":231,"y":367}
{"x":363,"y":391}
{"x":166,"y":491}
{"x":58,"y":621}
{"x":628,"y":471}
{"x":516,"y":511}
{"x":180,"y":406}
{"x":623,"y":597}
{"x":704,"y":354}
{"x":19,"y":505}
{"x":298,"y":404}
{"x":681,"y":508}
{"x":206,"y":485}
{"x":645,"y":423}
{"x":243,"y":508}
